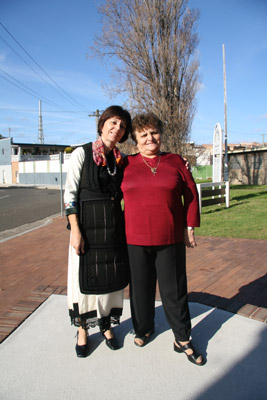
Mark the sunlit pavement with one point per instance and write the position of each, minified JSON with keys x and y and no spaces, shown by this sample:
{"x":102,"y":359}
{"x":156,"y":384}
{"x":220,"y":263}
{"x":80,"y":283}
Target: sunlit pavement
{"x":38,"y":359}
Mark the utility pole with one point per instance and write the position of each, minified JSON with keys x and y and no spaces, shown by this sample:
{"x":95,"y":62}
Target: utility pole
{"x":9,"y":130}
{"x":40,"y":129}
{"x":225,"y":122}
{"x":95,"y":114}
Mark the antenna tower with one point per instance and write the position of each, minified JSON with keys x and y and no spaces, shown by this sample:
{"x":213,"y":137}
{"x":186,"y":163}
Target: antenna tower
{"x":40,"y":128}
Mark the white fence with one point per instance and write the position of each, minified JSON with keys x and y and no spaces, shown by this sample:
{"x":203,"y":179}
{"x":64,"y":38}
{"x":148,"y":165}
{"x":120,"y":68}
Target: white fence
{"x":218,"y":194}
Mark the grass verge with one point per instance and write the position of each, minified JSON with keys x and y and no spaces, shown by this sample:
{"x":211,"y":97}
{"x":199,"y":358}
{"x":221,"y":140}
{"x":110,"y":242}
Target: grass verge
{"x":245,"y":218}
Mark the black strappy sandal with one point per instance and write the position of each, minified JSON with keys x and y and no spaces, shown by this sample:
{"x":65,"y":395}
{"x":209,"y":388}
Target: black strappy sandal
{"x":145,"y":339}
{"x":191,"y":357}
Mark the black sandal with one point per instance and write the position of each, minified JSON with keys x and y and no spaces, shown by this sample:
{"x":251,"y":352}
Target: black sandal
{"x":82,"y":350}
{"x":191,"y":357}
{"x":145,"y":339}
{"x":112,"y":342}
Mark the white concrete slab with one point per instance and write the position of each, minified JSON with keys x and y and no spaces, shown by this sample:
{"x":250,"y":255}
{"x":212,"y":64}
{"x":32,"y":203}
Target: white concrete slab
{"x":38,"y":360}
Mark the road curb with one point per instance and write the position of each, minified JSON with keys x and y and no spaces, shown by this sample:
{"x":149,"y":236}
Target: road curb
{"x":21,"y":230}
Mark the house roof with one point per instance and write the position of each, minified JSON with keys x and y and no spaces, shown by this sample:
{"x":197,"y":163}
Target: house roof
{"x":39,"y":145}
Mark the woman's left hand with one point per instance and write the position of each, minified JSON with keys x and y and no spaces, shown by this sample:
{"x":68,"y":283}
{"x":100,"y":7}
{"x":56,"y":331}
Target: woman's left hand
{"x":189,"y":238}
{"x":187,"y":164}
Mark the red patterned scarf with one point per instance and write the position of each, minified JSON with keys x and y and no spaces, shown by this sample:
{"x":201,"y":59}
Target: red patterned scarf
{"x":99,"y":153}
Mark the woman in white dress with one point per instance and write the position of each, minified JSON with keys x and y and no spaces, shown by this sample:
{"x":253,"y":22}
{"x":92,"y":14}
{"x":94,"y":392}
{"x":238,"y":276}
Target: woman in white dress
{"x":98,"y":263}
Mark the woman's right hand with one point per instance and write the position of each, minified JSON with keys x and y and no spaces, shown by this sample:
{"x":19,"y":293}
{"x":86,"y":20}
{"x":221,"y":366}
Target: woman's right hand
{"x":189,"y":238}
{"x":77,"y":241}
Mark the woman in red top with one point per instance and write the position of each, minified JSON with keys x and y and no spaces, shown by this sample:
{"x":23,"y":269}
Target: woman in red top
{"x":161,"y":211}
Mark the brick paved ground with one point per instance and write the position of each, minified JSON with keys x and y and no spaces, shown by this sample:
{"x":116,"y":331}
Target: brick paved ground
{"x":226,"y":273}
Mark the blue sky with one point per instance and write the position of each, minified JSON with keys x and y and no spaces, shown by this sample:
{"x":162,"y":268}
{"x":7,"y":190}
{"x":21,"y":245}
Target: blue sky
{"x":57,"y":35}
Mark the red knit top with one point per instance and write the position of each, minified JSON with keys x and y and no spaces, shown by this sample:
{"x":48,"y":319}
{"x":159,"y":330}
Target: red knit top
{"x":157,"y":208}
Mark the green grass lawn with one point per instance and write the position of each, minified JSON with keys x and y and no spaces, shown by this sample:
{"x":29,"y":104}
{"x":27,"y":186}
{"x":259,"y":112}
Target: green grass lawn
{"x":245,"y":218}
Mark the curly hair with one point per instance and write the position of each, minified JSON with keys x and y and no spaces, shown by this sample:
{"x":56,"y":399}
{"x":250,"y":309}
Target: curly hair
{"x":145,"y":120}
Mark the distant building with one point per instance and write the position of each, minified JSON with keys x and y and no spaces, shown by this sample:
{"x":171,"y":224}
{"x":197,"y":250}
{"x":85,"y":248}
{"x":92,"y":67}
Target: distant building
{"x":13,"y":158}
{"x":39,"y":164}
{"x":204,"y":152}
{"x":245,"y":145}
{"x":24,"y":150}
{"x":248,"y":166}
{"x":5,"y":161}
{"x":247,"y":162}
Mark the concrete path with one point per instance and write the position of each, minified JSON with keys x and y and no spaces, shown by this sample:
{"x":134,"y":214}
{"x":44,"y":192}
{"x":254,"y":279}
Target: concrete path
{"x":38,"y":360}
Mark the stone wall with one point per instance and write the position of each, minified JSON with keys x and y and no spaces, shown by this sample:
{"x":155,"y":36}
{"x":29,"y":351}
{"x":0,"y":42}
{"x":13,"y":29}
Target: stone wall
{"x":248,"y":167}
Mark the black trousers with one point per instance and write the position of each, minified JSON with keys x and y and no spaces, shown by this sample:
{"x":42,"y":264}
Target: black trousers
{"x":167,"y":264}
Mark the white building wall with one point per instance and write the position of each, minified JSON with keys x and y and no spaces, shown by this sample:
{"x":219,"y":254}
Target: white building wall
{"x":37,"y":172}
{"x":44,"y":172}
{"x":41,"y":166}
{"x":5,"y":174}
{"x":5,"y":161}
{"x":54,"y":165}
{"x":21,"y":167}
{"x":28,"y":167}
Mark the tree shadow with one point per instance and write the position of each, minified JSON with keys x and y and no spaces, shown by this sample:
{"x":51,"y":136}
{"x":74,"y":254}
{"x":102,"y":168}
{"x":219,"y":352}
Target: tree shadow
{"x":222,"y":208}
{"x":248,"y":168}
{"x":248,"y":196}
{"x":120,"y":331}
{"x":238,"y":199}
{"x":202,"y":332}
{"x":246,"y":379}
{"x":254,"y":293}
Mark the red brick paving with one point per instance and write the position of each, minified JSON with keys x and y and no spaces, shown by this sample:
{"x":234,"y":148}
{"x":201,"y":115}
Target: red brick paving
{"x":225,"y":273}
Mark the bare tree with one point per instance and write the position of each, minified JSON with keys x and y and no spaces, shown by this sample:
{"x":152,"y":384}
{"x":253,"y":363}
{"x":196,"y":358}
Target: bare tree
{"x":154,"y":43}
{"x":128,"y":147}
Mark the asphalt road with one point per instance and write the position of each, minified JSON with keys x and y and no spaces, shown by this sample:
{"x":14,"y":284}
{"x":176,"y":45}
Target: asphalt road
{"x":20,"y":206}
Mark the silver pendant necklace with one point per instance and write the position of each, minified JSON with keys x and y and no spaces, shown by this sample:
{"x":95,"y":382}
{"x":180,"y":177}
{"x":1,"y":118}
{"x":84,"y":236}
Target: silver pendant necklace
{"x":115,"y":167}
{"x":152,"y":169}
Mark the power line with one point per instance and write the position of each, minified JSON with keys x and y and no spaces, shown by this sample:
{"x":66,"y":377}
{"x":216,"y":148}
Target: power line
{"x":12,"y":83}
{"x":64,"y":121}
{"x":44,"y":112}
{"x":36,"y":72}
{"x":32,"y":92}
{"x":27,"y":91}
{"x":42,"y":69}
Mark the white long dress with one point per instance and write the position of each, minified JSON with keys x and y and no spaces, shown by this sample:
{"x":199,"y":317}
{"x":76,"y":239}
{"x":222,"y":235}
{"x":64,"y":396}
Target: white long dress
{"x":85,"y":310}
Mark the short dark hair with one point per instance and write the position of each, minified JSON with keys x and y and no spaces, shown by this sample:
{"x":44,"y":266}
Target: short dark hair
{"x":145,"y":120}
{"x":116,"y":111}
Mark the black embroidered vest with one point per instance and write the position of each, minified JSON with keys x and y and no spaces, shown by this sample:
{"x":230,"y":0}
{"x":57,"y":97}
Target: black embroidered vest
{"x":104,"y":265}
